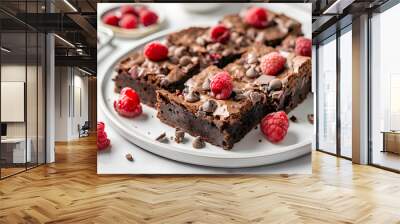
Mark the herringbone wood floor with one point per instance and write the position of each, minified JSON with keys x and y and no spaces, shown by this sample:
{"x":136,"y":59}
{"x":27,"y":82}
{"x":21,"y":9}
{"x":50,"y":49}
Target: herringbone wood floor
{"x":69,"y":191}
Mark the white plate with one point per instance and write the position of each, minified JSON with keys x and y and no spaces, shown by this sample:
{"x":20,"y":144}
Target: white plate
{"x":141,"y":31}
{"x":249,"y":152}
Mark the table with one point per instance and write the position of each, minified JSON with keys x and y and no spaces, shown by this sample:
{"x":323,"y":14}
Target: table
{"x":391,"y":141}
{"x":114,"y":161}
{"x":16,"y":154}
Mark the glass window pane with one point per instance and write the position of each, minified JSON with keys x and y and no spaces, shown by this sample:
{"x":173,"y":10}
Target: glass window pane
{"x":13,"y":86}
{"x":327,"y":96}
{"x":41,"y":98}
{"x":346,"y":94}
{"x":385,"y":80}
{"x":31,"y":97}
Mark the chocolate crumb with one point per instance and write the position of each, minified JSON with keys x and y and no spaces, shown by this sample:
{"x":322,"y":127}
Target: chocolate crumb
{"x":293,"y":118}
{"x":310,"y":118}
{"x":198,"y":143}
{"x":129,"y":157}
{"x":209,"y":106}
{"x":192,"y":96}
{"x":179,"y":135}
{"x":259,"y":140}
{"x":161,"y":137}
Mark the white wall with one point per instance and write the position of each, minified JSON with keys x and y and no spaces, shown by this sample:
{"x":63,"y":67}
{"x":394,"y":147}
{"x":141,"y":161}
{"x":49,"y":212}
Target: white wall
{"x":61,"y":103}
{"x":71,"y":94}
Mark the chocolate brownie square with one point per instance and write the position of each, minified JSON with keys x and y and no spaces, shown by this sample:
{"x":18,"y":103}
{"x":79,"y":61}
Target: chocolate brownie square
{"x":285,"y":90}
{"x":278,"y":27}
{"x":225,"y":122}
{"x":219,"y":122}
{"x":198,"y":41}
{"x":146,"y":76}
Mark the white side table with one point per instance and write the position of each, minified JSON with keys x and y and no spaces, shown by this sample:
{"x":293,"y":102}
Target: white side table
{"x":19,"y":155}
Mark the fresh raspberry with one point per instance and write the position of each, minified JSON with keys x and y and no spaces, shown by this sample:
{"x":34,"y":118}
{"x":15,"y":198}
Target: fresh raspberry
{"x":156,"y":51}
{"x":111,"y":19}
{"x":128,"y":21}
{"x":128,"y":9}
{"x":257,"y":17}
{"x":100,"y":126}
{"x":274,"y":126}
{"x":128,"y":103}
{"x":102,"y":141}
{"x":141,"y":8}
{"x":220,"y":34}
{"x":221,"y":85}
{"x":148,"y":17}
{"x":272,"y":63}
{"x":303,"y":46}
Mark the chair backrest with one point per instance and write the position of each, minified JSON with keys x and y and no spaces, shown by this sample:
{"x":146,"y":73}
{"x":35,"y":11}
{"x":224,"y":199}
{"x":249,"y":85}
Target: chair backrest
{"x":86,"y":125}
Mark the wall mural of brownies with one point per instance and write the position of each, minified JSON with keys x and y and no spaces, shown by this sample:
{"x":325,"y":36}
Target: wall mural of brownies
{"x":205,"y":88}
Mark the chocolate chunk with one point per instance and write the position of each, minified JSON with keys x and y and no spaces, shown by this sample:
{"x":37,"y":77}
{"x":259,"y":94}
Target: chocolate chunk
{"x":129,"y":157}
{"x":179,"y":51}
{"x":206,"y":85}
{"x":195,"y":60}
{"x":238,"y":95}
{"x":227,"y":52}
{"x":264,"y":79}
{"x":192,"y":96}
{"x":310,"y":118}
{"x":251,"y":33}
{"x":275,"y":84}
{"x":200,"y":41}
{"x":251,"y":58}
{"x":171,"y":50}
{"x":260,"y":38}
{"x":293,"y":118}
{"x":162,"y":137}
{"x":164,"y":82}
{"x":255,"y":97}
{"x":239,"y":40}
{"x":234,"y":35}
{"x":185,"y":60}
{"x":215,"y":47}
{"x":174,"y":60}
{"x":252,"y":73}
{"x":179,"y":135}
{"x":209,"y":106}
{"x":198,"y":143}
